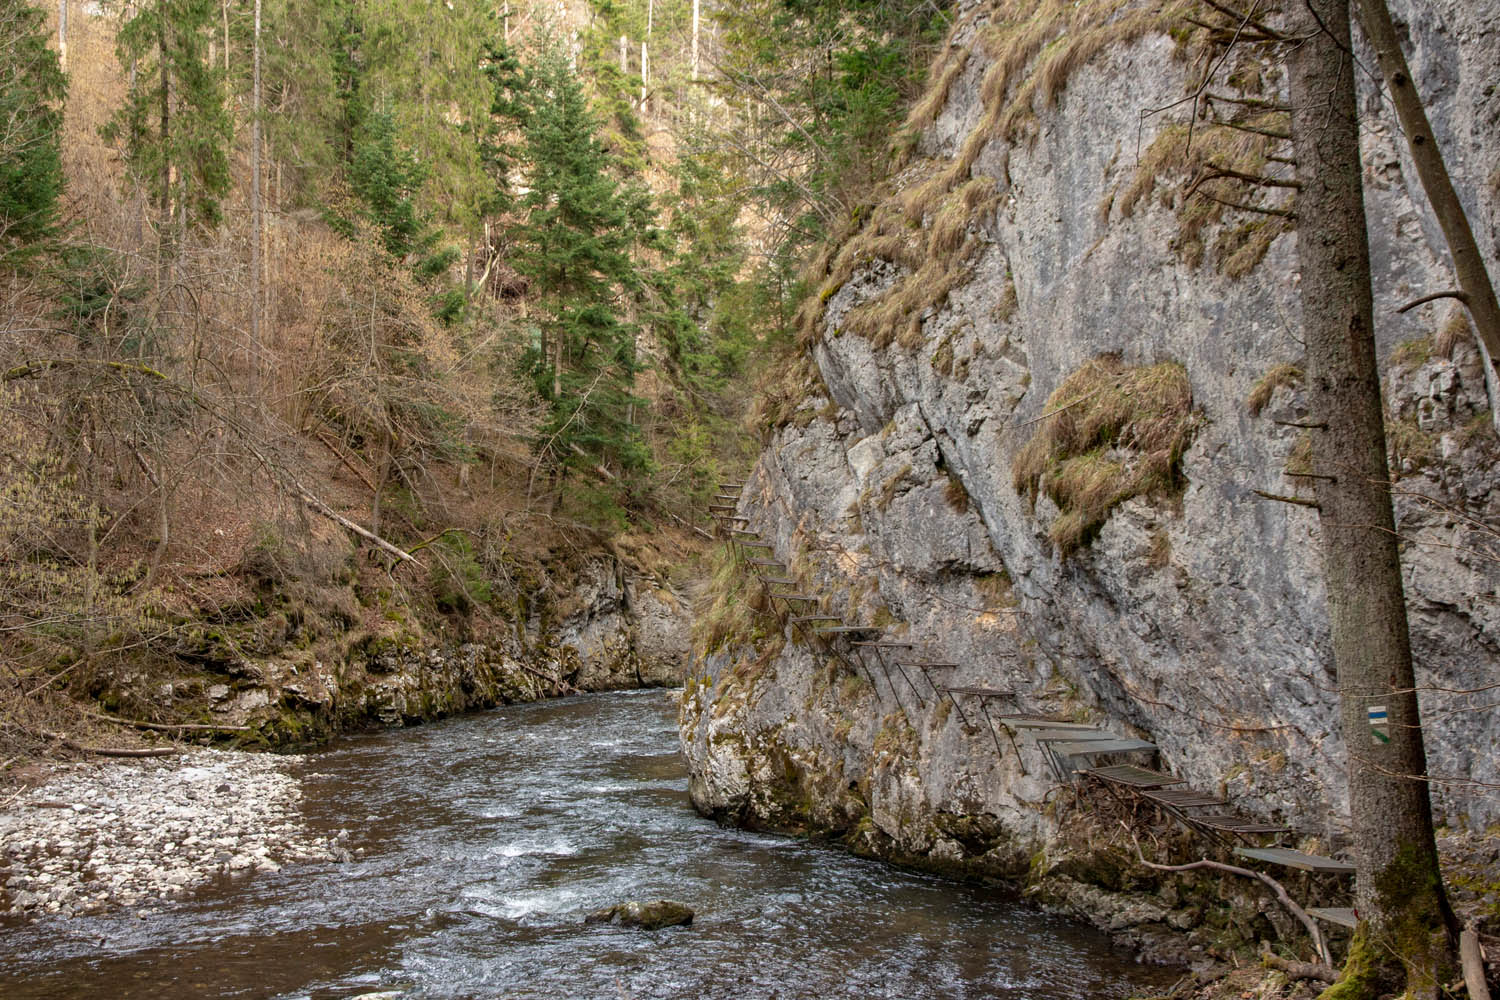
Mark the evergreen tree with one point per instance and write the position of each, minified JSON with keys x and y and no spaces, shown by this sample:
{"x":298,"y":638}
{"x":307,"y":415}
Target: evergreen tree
{"x":32,"y":87}
{"x":174,"y":124}
{"x":574,"y":241}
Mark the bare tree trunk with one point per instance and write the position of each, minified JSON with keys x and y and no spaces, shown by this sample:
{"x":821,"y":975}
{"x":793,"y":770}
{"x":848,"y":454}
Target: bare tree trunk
{"x":624,"y":56}
{"x":694,"y":60}
{"x":62,"y":34}
{"x":1468,"y":265}
{"x":1404,"y":911}
{"x":255,"y":213}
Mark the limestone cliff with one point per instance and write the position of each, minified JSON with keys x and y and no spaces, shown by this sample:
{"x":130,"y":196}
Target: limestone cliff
{"x":1044,"y":231}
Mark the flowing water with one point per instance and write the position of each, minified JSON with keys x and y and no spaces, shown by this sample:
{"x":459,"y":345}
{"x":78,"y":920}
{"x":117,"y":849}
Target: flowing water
{"x":487,"y":838}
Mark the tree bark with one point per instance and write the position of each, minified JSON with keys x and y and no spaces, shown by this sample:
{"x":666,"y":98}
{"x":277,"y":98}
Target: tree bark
{"x":1399,"y":888}
{"x":255,"y":214}
{"x":695,"y":41}
{"x":1468,"y":264}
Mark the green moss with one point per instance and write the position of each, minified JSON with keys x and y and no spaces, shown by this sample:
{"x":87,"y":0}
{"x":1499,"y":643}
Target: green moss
{"x":1362,"y":977}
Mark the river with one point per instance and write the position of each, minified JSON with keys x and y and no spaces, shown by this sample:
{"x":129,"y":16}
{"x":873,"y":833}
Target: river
{"x":488,"y":837}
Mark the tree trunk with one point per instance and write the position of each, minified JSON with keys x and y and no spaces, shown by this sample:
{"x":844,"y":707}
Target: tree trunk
{"x":1404,"y":911}
{"x":695,"y":41}
{"x":1468,"y":265}
{"x":255,"y":213}
{"x":62,"y":34}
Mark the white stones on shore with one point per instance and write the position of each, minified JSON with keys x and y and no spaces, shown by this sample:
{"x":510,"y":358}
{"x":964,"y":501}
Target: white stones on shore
{"x":116,"y":833}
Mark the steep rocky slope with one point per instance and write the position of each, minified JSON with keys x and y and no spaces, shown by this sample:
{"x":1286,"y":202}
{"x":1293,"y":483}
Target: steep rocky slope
{"x":1038,"y":263}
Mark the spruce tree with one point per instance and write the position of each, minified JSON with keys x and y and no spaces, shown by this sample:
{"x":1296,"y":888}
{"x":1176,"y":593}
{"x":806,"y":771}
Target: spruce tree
{"x":578,"y":227}
{"x":32,"y":87}
{"x":174,"y":124}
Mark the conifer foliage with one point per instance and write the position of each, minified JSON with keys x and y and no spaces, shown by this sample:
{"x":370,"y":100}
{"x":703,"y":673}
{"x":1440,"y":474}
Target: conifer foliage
{"x":578,"y":227}
{"x":31,"y":93}
{"x":174,"y":125}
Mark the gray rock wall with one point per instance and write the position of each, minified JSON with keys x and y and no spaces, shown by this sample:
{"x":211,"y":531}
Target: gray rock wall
{"x":1199,"y":624}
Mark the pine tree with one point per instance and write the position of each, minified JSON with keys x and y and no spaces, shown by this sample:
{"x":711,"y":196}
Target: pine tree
{"x":574,"y":242}
{"x":32,"y":87}
{"x":174,"y":124}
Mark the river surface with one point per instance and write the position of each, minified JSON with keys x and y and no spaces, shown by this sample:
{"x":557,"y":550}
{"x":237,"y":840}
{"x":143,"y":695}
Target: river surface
{"x":487,"y":838}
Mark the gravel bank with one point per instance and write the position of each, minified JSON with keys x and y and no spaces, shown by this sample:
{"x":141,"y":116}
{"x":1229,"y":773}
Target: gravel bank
{"x":100,"y":835}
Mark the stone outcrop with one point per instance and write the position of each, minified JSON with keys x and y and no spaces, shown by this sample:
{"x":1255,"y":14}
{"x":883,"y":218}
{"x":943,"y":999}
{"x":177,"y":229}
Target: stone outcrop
{"x":616,"y":628}
{"x":1194,"y":615}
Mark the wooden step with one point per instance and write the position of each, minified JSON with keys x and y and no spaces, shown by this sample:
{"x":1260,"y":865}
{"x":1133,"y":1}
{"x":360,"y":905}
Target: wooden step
{"x":1289,"y":858}
{"x":1057,"y":735}
{"x":805,"y":619}
{"x":744,"y":532}
{"x":944,"y":664}
{"x":1041,"y":722}
{"x":728,"y":496}
{"x":1344,"y":916}
{"x":1184,"y":798}
{"x":776,"y":563}
{"x":776,"y":581}
{"x":1090,"y":748}
{"x":733,"y":517}
{"x":754,"y":545}
{"x":1138,"y":778}
{"x":980,"y":692}
{"x":1230,"y":823}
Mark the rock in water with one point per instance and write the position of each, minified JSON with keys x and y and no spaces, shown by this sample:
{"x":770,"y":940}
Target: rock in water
{"x":647,"y":916}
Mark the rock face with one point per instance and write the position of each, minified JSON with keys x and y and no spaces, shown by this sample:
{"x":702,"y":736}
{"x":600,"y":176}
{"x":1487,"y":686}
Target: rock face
{"x":1193,"y":617}
{"x":617,"y":629}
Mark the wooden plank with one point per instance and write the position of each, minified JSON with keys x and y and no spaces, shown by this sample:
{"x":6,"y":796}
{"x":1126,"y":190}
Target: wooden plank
{"x":1229,"y":823}
{"x":795,"y":597}
{"x":1041,"y":722}
{"x":744,"y":533}
{"x":1088,"y":748}
{"x":1054,"y":735}
{"x":727,"y":496}
{"x":928,"y":663}
{"x":775,"y":581}
{"x":767,"y":562}
{"x":754,"y":545}
{"x":1344,"y":916}
{"x":1141,"y":779}
{"x":1296,"y":859}
{"x":804,"y":619}
{"x":725,"y":506}
{"x":980,"y":692}
{"x":1184,"y":798}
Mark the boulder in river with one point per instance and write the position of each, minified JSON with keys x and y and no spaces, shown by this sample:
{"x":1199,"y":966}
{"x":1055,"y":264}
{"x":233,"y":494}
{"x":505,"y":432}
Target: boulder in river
{"x":647,"y":916}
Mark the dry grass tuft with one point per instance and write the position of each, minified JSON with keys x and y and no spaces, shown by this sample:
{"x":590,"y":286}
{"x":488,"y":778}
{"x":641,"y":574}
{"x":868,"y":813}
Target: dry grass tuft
{"x":1455,"y":330}
{"x":1111,"y":432}
{"x":1283,"y":375}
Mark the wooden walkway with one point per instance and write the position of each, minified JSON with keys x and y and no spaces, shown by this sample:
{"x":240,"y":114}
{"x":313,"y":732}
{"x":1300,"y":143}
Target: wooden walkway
{"x":1069,"y":747}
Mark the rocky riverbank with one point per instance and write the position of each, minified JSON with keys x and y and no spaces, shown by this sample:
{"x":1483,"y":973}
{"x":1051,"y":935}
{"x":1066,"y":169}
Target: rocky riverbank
{"x":93,"y":836}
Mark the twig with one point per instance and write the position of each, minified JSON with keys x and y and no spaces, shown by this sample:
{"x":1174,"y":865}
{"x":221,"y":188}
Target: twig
{"x":166,"y":727}
{"x":112,"y":751}
{"x":1298,"y":970}
{"x":1299,"y":501}
{"x":1452,"y":293}
{"x":1306,"y":921}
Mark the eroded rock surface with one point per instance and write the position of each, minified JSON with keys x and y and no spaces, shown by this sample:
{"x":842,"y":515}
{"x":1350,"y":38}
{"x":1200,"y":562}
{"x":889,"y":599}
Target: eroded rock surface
{"x":1195,"y":620}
